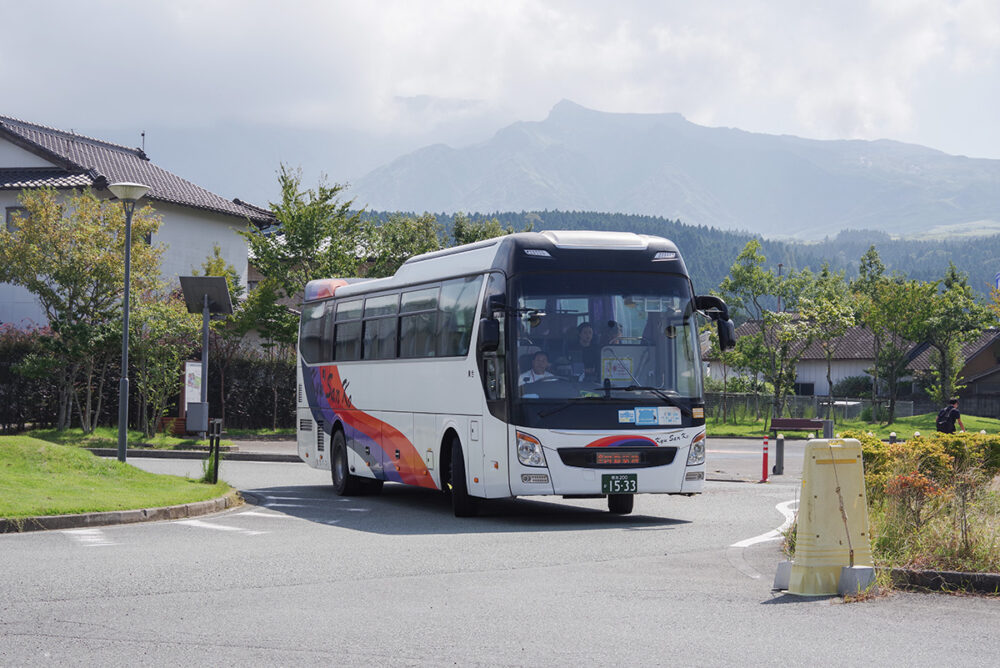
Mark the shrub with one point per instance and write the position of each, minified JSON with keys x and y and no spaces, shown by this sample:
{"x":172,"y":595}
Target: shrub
{"x":853,"y":386}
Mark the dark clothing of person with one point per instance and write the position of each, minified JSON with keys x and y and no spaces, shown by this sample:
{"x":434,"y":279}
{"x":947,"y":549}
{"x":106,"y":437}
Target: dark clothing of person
{"x":946,"y":419}
{"x":585,"y":359}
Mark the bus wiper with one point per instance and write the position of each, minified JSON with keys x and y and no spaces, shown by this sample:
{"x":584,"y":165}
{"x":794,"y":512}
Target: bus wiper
{"x":662,"y":394}
{"x":565,"y":404}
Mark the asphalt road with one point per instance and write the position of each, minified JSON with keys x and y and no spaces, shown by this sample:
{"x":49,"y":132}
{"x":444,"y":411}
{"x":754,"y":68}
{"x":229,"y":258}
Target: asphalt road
{"x":312,"y":578}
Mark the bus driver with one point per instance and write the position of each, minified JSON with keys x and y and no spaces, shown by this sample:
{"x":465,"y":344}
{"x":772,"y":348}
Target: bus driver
{"x":539,"y":369}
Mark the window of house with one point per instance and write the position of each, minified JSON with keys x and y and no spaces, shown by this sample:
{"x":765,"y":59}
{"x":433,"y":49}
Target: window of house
{"x":13,"y":211}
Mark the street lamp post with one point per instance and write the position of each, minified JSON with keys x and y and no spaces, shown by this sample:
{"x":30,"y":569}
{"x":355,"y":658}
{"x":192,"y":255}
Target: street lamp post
{"x":128,"y":193}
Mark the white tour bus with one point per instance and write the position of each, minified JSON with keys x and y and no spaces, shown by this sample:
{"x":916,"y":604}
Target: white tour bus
{"x":560,"y":363}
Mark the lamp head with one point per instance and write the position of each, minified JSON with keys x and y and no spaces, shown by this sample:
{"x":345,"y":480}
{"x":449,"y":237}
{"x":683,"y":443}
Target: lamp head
{"x":128,"y":192}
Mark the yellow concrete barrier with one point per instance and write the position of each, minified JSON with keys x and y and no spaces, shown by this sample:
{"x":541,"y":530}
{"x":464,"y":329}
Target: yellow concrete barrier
{"x":832,"y":527}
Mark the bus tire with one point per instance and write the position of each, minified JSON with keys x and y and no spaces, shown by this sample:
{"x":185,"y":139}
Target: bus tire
{"x":344,"y":484}
{"x":461,"y":503}
{"x":621,"y":504}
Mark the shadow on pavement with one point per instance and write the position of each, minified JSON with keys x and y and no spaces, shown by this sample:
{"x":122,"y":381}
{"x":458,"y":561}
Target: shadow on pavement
{"x":404,"y":510}
{"x":779,"y":598}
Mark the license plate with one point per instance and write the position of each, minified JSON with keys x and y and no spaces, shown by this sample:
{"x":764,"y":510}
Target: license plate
{"x":619,"y":483}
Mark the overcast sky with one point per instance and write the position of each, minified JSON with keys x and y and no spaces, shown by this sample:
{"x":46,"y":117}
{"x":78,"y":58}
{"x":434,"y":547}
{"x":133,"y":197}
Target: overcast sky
{"x":226,"y":90}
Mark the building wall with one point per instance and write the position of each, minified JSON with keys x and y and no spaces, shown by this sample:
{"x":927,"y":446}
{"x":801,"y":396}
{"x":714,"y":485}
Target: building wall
{"x":814,"y":371}
{"x":12,"y":155}
{"x":188,"y":234}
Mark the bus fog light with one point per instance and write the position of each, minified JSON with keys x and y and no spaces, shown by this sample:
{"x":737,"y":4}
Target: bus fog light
{"x":694,"y":475}
{"x":529,"y":450}
{"x":535,"y":477}
{"x":696,"y":455}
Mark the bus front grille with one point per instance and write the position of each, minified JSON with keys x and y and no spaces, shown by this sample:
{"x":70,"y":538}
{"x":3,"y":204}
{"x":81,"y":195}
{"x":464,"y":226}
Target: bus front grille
{"x":617,"y":458}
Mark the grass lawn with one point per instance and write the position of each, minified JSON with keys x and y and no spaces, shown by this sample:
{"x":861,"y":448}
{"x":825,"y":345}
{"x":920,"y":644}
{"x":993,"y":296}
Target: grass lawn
{"x":904,"y":427}
{"x":107,"y":437}
{"x":41,"y":478}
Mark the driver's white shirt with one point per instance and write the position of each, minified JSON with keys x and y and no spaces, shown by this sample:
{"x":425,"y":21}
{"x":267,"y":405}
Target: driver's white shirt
{"x":530,"y":377}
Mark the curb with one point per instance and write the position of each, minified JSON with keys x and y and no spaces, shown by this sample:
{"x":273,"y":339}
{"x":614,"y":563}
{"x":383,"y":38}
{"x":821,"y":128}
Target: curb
{"x":196,"y":454}
{"x":51,"y":522}
{"x":984,"y":583}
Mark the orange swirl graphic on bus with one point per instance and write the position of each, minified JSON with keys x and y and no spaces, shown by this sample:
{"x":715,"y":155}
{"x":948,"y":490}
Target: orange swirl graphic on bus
{"x":391,"y":455}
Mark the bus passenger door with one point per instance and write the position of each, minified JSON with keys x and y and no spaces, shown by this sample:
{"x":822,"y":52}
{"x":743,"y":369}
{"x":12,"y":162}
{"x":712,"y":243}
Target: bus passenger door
{"x":492,"y":369}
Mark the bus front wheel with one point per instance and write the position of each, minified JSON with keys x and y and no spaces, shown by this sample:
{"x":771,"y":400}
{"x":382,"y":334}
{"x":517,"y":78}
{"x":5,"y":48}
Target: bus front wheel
{"x":621,"y":504}
{"x":463,"y":504}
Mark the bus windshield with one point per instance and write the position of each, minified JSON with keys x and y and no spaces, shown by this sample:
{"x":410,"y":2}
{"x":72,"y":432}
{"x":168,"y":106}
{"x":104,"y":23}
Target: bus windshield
{"x":606,"y":335}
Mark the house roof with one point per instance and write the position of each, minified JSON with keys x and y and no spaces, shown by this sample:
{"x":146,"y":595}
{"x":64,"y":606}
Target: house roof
{"x":858,"y":344}
{"x":969,"y":350}
{"x":84,"y":161}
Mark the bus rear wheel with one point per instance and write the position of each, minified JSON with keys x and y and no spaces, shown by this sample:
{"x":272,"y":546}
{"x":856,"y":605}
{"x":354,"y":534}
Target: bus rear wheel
{"x":344,"y":484}
{"x":461,"y":503}
{"x":621,"y":504}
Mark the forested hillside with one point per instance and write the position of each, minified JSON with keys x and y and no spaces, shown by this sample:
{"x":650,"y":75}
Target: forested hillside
{"x":709,"y":252}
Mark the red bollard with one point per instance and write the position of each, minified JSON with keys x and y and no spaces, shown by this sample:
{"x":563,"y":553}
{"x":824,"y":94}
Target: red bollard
{"x":764,"y":476}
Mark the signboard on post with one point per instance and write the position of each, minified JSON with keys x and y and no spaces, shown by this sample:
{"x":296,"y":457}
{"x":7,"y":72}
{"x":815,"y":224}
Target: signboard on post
{"x":192,"y":383}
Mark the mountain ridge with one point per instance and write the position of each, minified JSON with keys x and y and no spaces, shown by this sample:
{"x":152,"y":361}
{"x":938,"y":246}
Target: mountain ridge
{"x":663,"y":165}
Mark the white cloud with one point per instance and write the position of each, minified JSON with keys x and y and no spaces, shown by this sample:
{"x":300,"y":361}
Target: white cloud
{"x":445,"y":70}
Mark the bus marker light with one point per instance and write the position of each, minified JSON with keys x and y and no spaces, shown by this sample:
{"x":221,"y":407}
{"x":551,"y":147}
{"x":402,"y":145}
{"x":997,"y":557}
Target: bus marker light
{"x":475,"y":480}
{"x":496,"y":465}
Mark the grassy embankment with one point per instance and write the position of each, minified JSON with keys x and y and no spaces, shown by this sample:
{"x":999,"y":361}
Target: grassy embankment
{"x":904,"y":427}
{"x":42,"y":478}
{"x":107,"y":437}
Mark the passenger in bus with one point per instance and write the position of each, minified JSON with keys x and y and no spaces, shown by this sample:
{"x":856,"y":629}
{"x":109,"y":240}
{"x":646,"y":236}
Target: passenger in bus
{"x":584,"y":354}
{"x":614,"y":333}
{"x":539,"y":369}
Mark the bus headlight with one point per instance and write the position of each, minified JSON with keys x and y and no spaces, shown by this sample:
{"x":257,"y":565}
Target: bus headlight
{"x":696,"y":455}
{"x":529,"y":450}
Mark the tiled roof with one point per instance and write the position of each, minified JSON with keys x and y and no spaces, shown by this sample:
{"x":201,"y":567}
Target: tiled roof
{"x":969,"y":349}
{"x":42,"y":177}
{"x":85,"y":161}
{"x":858,"y":344}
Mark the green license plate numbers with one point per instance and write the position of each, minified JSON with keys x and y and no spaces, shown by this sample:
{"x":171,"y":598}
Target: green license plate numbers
{"x":619,"y":483}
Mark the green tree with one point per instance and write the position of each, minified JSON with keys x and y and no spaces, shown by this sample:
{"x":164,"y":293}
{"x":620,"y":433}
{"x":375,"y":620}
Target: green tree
{"x":897,"y":314}
{"x":163,"y":335}
{"x":317,"y":235}
{"x":68,"y":250}
{"x":398,"y":239}
{"x":464,"y":230}
{"x":782,"y":336}
{"x":830,"y":307}
{"x":871,"y":273}
{"x":955,"y":318}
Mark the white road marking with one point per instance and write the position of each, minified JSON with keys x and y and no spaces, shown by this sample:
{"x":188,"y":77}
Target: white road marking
{"x":734,"y":553}
{"x":774,"y":534}
{"x":90,"y":537}
{"x":201,"y":524}
{"x":256,"y":513}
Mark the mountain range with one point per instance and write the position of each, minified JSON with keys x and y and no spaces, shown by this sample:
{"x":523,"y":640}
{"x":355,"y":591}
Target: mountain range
{"x":578,"y":159}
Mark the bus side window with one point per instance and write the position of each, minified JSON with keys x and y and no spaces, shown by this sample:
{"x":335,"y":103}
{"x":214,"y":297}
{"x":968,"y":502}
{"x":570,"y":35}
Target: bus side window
{"x":417,"y":323}
{"x":311,"y":333}
{"x":457,"y":315}
{"x":347,"y":335}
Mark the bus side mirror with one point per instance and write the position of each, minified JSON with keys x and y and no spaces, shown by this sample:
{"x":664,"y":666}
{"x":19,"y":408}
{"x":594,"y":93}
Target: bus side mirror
{"x":727,"y":335}
{"x":489,"y":335}
{"x":712,"y":306}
